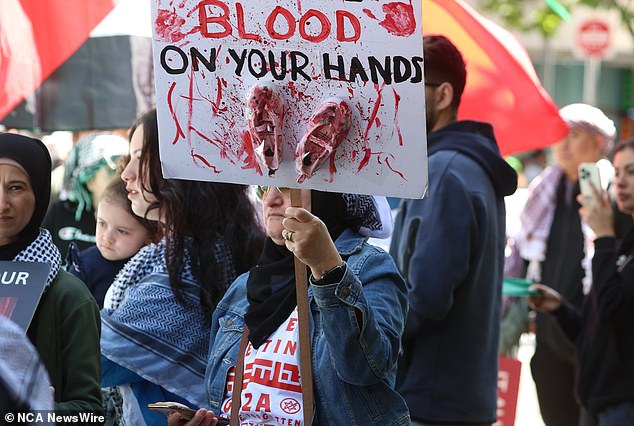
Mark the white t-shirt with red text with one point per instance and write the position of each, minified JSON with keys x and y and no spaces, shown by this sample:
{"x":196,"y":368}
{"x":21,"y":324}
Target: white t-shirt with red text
{"x":271,"y":387}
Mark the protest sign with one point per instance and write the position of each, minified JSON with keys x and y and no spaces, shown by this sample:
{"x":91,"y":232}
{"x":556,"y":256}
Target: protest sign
{"x":209,"y":54}
{"x":508,"y":390}
{"x":21,"y":287}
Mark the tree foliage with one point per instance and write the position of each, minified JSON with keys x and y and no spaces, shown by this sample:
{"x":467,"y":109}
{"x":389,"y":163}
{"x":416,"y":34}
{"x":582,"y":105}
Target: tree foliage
{"x":540,"y":15}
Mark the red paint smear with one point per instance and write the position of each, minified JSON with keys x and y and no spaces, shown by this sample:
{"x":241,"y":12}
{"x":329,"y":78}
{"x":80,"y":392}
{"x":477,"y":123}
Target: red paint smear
{"x":387,"y":161}
{"x":365,"y":160}
{"x":333,"y":167}
{"x":364,"y":141}
{"x":375,"y":111}
{"x":299,"y":6}
{"x":179,"y":130}
{"x":370,"y":14}
{"x":215,"y":106}
{"x":217,"y":143}
{"x":397,"y":100}
{"x":193,"y":10}
{"x":296,"y":93}
{"x":378,"y":122}
{"x":168,"y":26}
{"x":201,"y":158}
{"x":399,"y":19}
{"x":247,"y":146}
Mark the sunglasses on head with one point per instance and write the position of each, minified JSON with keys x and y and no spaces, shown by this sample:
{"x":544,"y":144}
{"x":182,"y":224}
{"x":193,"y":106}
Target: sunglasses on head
{"x":262,"y":190}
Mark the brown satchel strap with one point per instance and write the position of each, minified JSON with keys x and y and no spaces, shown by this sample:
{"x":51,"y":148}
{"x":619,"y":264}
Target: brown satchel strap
{"x":236,"y":393}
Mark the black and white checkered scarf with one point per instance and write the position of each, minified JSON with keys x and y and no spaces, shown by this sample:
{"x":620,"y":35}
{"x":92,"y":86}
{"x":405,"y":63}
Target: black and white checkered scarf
{"x":42,"y":249}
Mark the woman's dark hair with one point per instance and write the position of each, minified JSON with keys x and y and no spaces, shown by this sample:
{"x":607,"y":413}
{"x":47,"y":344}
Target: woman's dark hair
{"x":116,"y":193}
{"x":624,"y":144}
{"x":204,"y":212}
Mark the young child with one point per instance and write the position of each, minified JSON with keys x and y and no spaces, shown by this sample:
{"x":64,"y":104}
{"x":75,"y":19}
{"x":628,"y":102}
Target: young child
{"x":120,"y":235}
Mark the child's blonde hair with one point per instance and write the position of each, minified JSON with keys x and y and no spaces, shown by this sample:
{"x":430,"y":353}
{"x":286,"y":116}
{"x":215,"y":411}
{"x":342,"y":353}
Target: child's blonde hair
{"x":116,"y":193}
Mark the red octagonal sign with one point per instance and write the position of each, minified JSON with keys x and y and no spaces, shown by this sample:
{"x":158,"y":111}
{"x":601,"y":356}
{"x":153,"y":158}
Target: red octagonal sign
{"x":593,"y":37}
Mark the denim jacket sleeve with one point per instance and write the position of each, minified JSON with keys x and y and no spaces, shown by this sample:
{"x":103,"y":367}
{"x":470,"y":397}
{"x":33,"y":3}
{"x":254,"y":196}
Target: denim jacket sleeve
{"x":373,"y":290}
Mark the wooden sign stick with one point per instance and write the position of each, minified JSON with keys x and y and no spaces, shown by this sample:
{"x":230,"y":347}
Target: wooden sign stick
{"x":301,"y":284}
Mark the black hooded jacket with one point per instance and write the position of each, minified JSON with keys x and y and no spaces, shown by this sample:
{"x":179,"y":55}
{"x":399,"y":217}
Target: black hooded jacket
{"x":602,"y":328}
{"x":450,"y":248}
{"x":477,"y":141}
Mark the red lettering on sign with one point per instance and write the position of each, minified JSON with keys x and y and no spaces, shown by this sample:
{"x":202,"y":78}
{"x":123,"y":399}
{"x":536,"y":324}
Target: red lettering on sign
{"x":241,"y":32}
{"x":323,"y":20}
{"x":270,"y":24}
{"x":222,"y":19}
{"x":215,"y":22}
{"x":341,"y":26}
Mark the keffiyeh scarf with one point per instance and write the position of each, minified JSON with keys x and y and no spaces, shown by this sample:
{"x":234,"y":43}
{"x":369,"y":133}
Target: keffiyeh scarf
{"x":375,"y":214}
{"x":147,"y":331}
{"x":537,"y":218}
{"x":42,"y":249}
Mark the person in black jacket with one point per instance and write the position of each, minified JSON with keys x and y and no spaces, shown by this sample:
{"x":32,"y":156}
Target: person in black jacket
{"x":602,"y":328}
{"x":449,"y":246}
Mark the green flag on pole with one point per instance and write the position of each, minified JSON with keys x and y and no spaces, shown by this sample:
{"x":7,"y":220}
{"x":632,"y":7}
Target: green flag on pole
{"x":559,"y":9}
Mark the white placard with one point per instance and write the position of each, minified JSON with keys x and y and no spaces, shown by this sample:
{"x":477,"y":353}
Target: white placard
{"x":208,"y":54}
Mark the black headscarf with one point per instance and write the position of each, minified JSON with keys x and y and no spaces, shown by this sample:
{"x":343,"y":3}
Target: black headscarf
{"x":271,"y":283}
{"x":33,"y":156}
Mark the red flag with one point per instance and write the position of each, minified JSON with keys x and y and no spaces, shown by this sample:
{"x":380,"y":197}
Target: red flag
{"x":502,"y":86}
{"x":37,"y":36}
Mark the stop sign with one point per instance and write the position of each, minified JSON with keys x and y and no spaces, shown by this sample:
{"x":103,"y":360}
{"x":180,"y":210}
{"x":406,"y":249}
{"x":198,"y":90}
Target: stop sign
{"x":593,"y":37}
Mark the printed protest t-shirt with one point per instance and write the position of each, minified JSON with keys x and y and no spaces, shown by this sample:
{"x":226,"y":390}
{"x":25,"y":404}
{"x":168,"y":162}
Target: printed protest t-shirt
{"x":271,"y":387}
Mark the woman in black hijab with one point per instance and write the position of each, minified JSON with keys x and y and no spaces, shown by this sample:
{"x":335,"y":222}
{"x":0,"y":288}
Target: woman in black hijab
{"x":65,"y":326}
{"x":357,"y":306}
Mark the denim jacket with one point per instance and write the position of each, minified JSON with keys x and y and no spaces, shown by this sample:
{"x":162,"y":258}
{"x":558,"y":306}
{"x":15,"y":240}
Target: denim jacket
{"x":354,"y":368}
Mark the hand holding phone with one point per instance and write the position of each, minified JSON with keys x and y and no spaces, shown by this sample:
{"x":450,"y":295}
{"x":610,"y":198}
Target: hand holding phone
{"x":545,"y":300}
{"x":186,"y":413}
{"x":167,"y":408}
{"x":589,"y":180}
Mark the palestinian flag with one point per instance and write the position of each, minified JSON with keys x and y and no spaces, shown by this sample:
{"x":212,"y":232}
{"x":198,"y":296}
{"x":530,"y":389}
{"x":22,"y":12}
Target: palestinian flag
{"x":91,"y":62}
{"x":502,"y":86}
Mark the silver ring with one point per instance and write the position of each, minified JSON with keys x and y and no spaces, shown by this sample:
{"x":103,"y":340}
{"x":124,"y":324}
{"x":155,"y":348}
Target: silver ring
{"x":288,"y":236}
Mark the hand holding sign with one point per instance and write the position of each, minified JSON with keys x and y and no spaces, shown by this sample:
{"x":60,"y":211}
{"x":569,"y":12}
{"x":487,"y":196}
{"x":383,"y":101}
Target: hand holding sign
{"x":307,"y":237}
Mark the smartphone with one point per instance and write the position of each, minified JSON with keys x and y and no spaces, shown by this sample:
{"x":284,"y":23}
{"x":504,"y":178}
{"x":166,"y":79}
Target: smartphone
{"x":167,"y":407}
{"x":589,"y":177}
{"x":186,"y":413}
